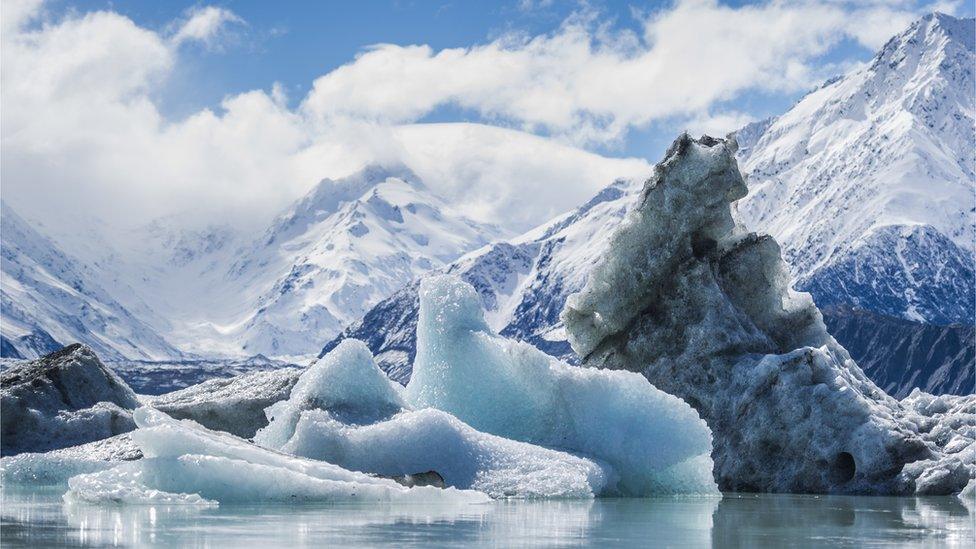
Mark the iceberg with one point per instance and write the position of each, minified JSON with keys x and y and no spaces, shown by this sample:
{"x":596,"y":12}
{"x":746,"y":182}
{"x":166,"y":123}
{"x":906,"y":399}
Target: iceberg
{"x":654,"y":442}
{"x":186,"y":463}
{"x":66,"y":398}
{"x":703,"y":309}
{"x":433,"y":440}
{"x":346,"y":382}
{"x":344,"y":410}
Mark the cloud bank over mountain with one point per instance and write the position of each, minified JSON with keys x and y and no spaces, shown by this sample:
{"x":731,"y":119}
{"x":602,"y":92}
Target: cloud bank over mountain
{"x":83,"y":130}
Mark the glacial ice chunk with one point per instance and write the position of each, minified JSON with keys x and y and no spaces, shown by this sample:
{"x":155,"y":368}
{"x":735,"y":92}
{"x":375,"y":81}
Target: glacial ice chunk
{"x":704,"y":310}
{"x":57,"y":466}
{"x":187,"y":463}
{"x":654,"y":442}
{"x":346,"y":382}
{"x":968,"y":495}
{"x":433,"y":440}
{"x":235,"y":404}
{"x":62,"y":399}
{"x":344,"y":410}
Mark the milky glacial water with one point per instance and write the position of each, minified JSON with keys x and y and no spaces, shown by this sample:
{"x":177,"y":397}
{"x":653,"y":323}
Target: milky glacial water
{"x":40,"y":519}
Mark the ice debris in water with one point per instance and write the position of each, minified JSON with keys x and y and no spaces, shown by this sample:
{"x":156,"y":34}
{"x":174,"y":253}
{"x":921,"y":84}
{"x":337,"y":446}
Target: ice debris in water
{"x":654,"y":442}
{"x":344,"y":410}
{"x":57,"y":466}
{"x":704,"y":310}
{"x":187,"y":463}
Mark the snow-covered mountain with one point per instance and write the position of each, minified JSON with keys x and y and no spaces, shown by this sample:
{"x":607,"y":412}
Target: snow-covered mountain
{"x":213,"y":291}
{"x":341,"y":249}
{"x":523,"y":283}
{"x":868,"y":182}
{"x":49,"y":299}
{"x":899,"y":222}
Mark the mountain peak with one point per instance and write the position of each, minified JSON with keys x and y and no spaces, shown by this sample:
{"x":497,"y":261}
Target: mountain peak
{"x":935,"y":32}
{"x":843,"y":179}
{"x":329,"y":195}
{"x":959,"y":27}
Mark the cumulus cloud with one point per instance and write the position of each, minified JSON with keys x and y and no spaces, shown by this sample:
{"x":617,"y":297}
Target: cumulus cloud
{"x":204,"y":24}
{"x":81,"y":134}
{"x":589,"y":84}
{"x":81,"y":131}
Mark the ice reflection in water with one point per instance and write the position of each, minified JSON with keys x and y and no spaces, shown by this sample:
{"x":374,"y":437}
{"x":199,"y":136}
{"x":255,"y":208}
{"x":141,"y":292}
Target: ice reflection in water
{"x":40,"y":518}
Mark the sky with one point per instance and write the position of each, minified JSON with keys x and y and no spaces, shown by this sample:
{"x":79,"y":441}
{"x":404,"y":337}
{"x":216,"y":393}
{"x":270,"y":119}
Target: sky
{"x":515,"y":111}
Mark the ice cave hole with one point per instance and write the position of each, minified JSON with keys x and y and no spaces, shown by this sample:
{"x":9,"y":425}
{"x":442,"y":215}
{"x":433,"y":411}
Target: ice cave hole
{"x":844,"y":467}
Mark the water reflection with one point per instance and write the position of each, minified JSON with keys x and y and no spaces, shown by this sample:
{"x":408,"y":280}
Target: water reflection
{"x":41,"y":518}
{"x":778,"y":520}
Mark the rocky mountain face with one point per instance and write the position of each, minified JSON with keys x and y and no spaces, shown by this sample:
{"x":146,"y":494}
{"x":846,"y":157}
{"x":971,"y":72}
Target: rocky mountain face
{"x":868,"y":182}
{"x":900,"y":355}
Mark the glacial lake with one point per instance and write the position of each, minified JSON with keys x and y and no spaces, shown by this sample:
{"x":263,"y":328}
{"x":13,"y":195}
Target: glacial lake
{"x":39,"y":518}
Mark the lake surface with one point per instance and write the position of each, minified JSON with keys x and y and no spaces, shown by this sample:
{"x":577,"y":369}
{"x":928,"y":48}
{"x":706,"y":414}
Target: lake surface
{"x":41,"y":519}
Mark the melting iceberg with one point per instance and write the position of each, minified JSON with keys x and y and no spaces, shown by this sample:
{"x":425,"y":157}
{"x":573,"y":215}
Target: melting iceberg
{"x":346,"y":382}
{"x":344,"y":410}
{"x":433,"y":440}
{"x":704,"y":310}
{"x":187,"y":463}
{"x":654,"y":442}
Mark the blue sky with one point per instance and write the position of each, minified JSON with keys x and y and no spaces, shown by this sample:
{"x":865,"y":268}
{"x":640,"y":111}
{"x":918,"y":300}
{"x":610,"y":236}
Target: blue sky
{"x":152,"y":108}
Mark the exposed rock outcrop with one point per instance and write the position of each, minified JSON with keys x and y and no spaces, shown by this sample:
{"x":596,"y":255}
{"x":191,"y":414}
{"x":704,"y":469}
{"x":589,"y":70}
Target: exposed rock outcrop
{"x":703,"y":309}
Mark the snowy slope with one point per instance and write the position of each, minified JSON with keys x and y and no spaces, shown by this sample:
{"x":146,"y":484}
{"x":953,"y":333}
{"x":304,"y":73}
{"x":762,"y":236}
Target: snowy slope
{"x":341,"y":249}
{"x":868,"y":182}
{"x":214,"y":291}
{"x":49,"y":299}
{"x":523,"y":283}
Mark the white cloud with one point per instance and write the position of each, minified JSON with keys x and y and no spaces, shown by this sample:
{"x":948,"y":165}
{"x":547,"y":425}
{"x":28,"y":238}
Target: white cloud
{"x":589,"y":85}
{"x":204,"y":25}
{"x":717,"y":124}
{"x":81,"y":132}
{"x":467,"y":162}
